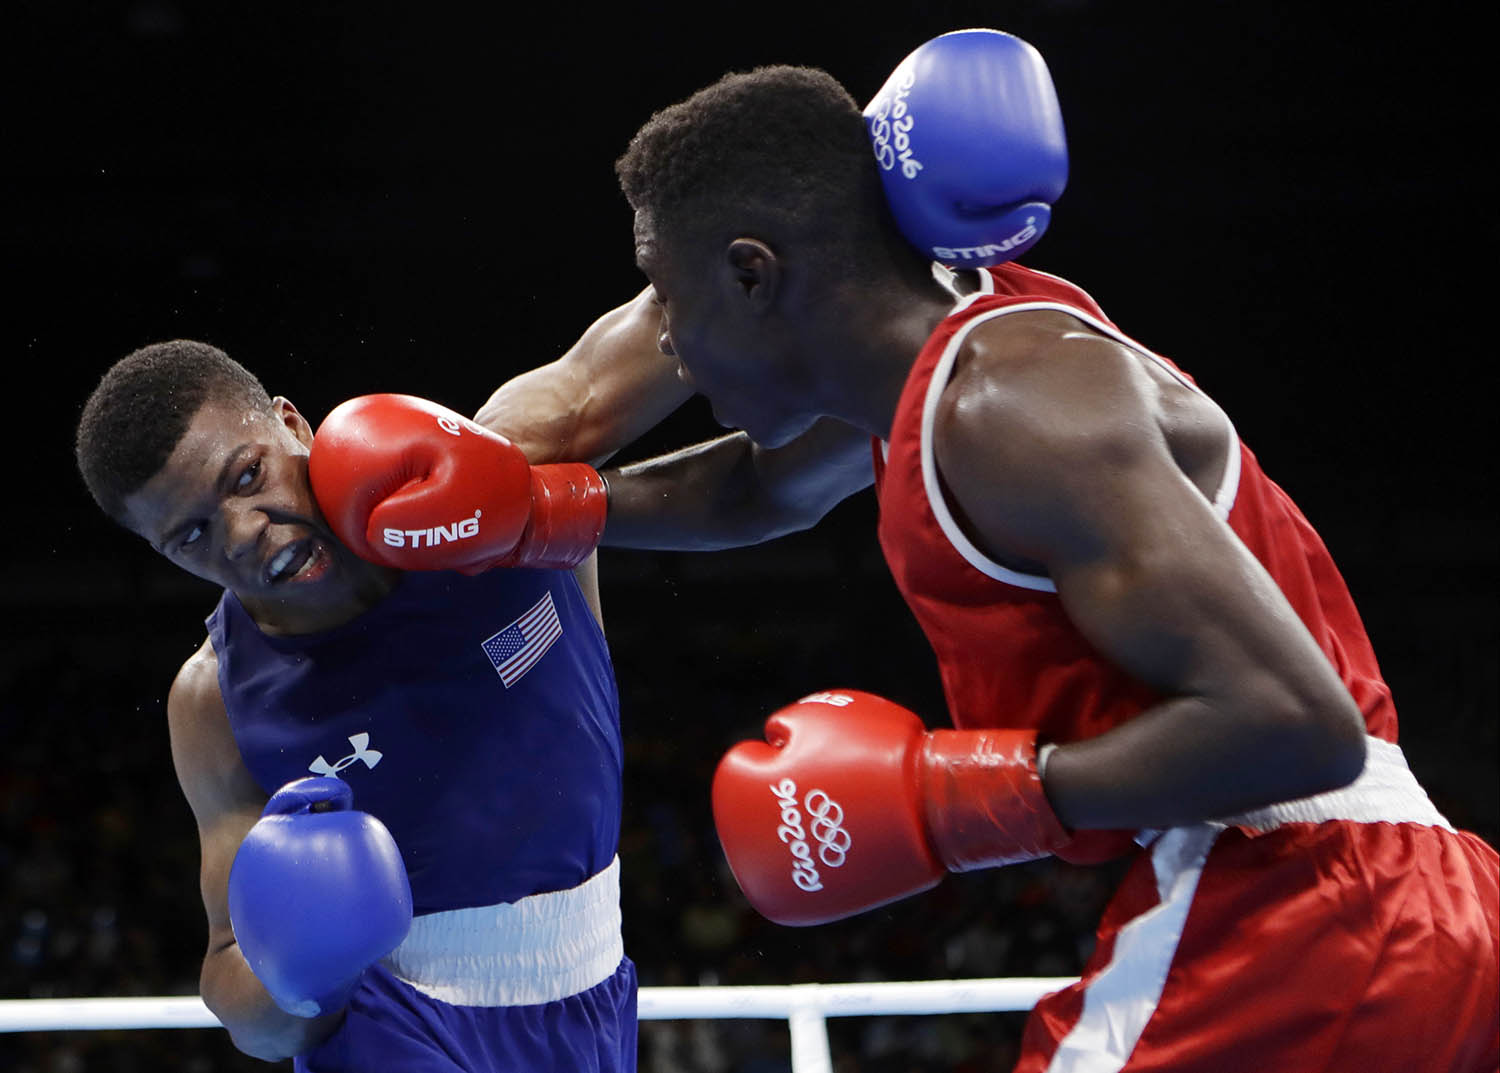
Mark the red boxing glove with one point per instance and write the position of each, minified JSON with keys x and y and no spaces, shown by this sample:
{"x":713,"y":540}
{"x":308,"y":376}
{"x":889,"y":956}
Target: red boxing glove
{"x":411,"y":484}
{"x":851,"y":804}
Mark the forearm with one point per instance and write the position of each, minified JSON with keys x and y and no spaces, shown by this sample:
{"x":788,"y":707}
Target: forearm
{"x":701,"y":498}
{"x":730,"y":492}
{"x":1186,"y":760}
{"x":610,"y":387}
{"x":257,"y":1025}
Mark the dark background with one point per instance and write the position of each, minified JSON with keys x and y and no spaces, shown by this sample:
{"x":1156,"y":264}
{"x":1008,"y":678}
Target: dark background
{"x":355,"y":198}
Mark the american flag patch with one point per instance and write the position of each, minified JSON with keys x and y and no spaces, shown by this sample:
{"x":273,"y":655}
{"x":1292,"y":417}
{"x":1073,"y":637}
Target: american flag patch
{"x":514,"y":650}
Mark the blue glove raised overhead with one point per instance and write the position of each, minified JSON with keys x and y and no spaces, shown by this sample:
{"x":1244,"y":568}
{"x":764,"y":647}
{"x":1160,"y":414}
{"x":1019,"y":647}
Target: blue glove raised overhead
{"x":969,"y":138}
{"x":317,"y":893}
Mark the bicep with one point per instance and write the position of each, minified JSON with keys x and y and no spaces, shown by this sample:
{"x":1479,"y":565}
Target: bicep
{"x":1250,"y":708}
{"x":1160,"y":584}
{"x":1066,"y":465}
{"x":224,"y":798}
{"x":610,"y":387}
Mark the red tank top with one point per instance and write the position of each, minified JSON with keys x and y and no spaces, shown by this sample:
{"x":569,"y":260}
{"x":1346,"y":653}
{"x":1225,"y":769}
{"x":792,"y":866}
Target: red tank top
{"x":1007,"y":653}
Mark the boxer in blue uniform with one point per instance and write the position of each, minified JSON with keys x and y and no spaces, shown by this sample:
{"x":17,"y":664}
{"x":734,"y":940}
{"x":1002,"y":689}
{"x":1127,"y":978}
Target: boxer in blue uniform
{"x":473,"y":715}
{"x":492,"y":793}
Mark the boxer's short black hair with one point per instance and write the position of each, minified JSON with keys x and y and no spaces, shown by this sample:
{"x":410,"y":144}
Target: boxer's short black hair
{"x":781,"y":145}
{"x":141,"y":407}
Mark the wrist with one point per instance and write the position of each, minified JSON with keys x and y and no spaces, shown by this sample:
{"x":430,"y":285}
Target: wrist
{"x":1044,"y":754}
{"x":569,"y":501}
{"x":983,"y":801}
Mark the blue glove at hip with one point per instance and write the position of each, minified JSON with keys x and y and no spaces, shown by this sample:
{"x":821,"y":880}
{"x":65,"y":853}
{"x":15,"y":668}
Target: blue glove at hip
{"x":317,"y":893}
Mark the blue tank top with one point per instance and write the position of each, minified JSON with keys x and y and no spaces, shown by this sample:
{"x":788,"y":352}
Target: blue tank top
{"x":477,"y":717}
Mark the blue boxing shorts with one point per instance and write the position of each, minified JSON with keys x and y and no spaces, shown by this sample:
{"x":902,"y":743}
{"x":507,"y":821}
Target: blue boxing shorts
{"x":533,"y":986}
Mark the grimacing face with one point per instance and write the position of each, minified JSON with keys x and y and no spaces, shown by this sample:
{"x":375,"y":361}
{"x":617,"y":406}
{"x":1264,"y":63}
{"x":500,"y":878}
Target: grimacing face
{"x":233,"y":505}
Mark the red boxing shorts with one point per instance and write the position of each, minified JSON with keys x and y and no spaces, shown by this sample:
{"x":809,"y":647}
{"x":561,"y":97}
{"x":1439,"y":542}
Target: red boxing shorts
{"x":1353,"y":931}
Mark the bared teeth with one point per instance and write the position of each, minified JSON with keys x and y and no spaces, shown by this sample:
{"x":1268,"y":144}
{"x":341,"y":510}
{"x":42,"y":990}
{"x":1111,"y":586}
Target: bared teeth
{"x":309,"y":556}
{"x":280,"y":567}
{"x":280,"y":562}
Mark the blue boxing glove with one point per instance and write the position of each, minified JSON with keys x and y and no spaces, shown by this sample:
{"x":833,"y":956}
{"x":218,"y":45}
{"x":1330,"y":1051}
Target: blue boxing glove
{"x":317,"y":893}
{"x":969,"y":138}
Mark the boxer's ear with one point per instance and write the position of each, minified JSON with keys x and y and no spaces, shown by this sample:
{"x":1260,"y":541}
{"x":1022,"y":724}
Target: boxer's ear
{"x":287,"y":414}
{"x":756,"y":271}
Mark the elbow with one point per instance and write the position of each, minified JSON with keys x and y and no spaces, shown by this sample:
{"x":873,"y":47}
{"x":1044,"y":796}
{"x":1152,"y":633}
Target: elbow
{"x":1346,"y":743}
{"x":779,"y":516}
{"x":256,"y":1026}
{"x":251,"y":1036}
{"x":1328,"y":737}
{"x":275,"y":1039}
{"x":257,"y":1045}
{"x":743,"y":514}
{"x":779,"y":522}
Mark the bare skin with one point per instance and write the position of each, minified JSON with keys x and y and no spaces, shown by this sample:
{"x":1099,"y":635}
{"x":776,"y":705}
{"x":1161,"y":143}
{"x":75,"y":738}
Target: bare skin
{"x":610,"y":386}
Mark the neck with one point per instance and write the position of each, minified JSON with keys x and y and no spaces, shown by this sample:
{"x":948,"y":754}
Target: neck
{"x":872,"y":333}
{"x":365,"y":585}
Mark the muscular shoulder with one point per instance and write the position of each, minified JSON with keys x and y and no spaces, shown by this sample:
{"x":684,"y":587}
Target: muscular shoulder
{"x":195,"y":702}
{"x":204,"y":752}
{"x":1040,"y":412}
{"x":1041,"y":378}
{"x":197,"y":679}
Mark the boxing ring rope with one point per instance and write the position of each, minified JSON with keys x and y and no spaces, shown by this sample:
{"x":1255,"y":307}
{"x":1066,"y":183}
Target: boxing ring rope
{"x":805,"y":1008}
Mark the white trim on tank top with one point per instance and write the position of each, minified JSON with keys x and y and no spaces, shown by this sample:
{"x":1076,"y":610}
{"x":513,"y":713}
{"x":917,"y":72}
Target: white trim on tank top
{"x":1223,"y":500}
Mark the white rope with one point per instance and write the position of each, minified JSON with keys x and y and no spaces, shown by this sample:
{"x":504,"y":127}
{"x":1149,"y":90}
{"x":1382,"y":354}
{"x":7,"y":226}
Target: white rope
{"x":804,"y":1001}
{"x":92,"y":1014}
{"x":847,"y":1000}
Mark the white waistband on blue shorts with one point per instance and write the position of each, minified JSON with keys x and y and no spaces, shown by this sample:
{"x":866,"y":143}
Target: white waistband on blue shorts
{"x":539,"y":949}
{"x":1385,"y":792}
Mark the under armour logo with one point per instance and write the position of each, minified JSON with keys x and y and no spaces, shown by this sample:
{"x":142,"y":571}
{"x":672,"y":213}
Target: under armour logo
{"x":371,"y":757}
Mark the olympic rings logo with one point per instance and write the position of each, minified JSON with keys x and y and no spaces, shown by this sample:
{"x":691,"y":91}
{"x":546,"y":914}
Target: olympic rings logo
{"x":890,"y":129}
{"x":827,"y":820}
{"x":826,"y":827}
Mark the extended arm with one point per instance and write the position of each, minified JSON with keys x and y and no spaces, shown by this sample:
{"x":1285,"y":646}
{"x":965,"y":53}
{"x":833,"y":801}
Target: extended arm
{"x":615,"y":384}
{"x":610,"y":387}
{"x":226,"y":803}
{"x":731,"y":492}
{"x":1084,"y":482}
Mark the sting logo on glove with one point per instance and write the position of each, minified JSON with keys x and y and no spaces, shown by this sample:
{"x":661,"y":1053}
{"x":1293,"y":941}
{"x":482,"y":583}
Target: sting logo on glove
{"x":827,"y":830}
{"x":462,"y":529}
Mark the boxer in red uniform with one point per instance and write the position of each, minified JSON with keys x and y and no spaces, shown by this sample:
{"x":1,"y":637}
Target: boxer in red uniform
{"x":1140,"y":636}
